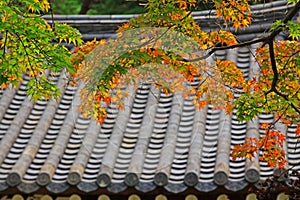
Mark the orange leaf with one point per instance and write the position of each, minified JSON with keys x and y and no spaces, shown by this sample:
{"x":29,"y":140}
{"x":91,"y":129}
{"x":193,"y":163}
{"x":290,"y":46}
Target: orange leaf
{"x":183,"y":5}
{"x":298,"y":129}
{"x":264,"y":125}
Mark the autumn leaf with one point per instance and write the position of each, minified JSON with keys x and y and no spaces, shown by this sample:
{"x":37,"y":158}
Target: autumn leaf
{"x":298,"y":129}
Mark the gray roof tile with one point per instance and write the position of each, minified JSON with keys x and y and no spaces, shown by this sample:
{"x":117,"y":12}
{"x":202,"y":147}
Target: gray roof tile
{"x":158,"y":142}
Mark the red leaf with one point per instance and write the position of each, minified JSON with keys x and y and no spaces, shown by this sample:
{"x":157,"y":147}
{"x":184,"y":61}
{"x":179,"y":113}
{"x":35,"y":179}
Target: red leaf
{"x":298,"y":129}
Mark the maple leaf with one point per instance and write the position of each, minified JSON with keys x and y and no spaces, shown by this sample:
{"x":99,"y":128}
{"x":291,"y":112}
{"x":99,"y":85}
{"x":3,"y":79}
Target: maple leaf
{"x":183,"y":5}
{"x":281,"y":138}
{"x":298,"y":129}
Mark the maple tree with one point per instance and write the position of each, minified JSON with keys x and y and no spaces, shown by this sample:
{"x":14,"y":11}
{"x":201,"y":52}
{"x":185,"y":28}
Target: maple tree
{"x":167,"y":48}
{"x":99,"y":7}
{"x":30,"y":45}
{"x":275,"y":90}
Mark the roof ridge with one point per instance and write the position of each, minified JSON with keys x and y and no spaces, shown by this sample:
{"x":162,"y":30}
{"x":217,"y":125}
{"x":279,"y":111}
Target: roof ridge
{"x":167,"y":153}
{"x":48,"y":169}
{"x":137,"y":160}
{"x":194,"y":159}
{"x":223,"y":150}
{"x":81,"y":160}
{"x":252,"y":167}
{"x":109,"y":158}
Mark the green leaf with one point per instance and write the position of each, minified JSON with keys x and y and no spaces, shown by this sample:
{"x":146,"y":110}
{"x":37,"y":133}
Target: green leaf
{"x":292,"y":1}
{"x":294,"y":29}
{"x":276,"y":25}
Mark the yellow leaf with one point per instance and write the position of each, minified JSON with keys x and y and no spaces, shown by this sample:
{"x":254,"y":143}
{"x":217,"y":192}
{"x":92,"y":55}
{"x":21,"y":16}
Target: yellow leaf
{"x":3,"y":18}
{"x":249,"y":156}
{"x":30,"y":7}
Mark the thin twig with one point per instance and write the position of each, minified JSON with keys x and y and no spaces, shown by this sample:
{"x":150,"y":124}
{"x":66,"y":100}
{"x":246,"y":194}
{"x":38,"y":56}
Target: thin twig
{"x":214,"y":49}
{"x":275,"y":78}
{"x":273,"y":65}
{"x":28,"y":56}
{"x":265,"y":39}
{"x":156,"y":39}
{"x":286,"y":98}
{"x":52,"y":17}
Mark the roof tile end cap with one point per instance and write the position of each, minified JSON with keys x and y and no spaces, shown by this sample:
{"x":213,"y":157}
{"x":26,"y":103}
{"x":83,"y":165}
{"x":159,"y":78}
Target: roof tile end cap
{"x":220,"y":178}
{"x":131,"y":179}
{"x":103,"y":180}
{"x":43,"y":179}
{"x":191,"y":179}
{"x":252,"y":175}
{"x":13,"y":179}
{"x":74,"y":178}
{"x":161,"y":179}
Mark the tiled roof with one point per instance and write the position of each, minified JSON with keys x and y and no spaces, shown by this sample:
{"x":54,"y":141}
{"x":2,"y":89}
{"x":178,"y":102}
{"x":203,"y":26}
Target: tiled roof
{"x":158,"y":144}
{"x":158,"y":141}
{"x":104,"y":26}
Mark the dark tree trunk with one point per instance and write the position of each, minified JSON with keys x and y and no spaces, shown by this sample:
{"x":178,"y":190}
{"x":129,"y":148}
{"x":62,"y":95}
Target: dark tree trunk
{"x":85,"y":6}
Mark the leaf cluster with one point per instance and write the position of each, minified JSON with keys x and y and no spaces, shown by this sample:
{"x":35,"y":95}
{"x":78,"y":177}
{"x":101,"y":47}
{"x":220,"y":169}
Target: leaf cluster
{"x":281,"y":182}
{"x":171,"y":56}
{"x":29,"y":45}
{"x":167,"y":48}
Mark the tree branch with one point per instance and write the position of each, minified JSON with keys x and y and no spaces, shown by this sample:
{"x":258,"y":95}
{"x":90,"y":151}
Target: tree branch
{"x":214,"y":49}
{"x":156,"y":39}
{"x":286,"y":98}
{"x":52,"y":17}
{"x":27,"y":54}
{"x":275,"y":78}
{"x":265,"y":39}
{"x":287,"y":18}
{"x":274,"y":67}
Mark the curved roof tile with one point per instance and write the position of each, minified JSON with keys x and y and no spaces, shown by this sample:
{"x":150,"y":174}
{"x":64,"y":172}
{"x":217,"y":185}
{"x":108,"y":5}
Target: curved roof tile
{"x":170,"y":145}
{"x":158,"y":143}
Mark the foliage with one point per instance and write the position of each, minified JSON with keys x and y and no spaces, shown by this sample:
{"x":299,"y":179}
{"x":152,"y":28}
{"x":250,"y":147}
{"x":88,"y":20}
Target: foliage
{"x":108,"y":7}
{"x":282,"y":182}
{"x":274,"y":91}
{"x":99,"y":7}
{"x":66,"y":7}
{"x":178,"y":20}
{"x":167,"y":48}
{"x":30,"y":45}
{"x":271,"y":144}
{"x":115,"y":7}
